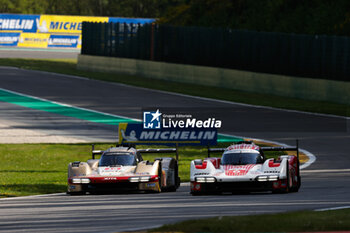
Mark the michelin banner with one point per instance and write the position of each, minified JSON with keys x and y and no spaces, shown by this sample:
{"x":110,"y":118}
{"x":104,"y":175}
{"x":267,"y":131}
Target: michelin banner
{"x":134,"y":133}
{"x":50,"y":31}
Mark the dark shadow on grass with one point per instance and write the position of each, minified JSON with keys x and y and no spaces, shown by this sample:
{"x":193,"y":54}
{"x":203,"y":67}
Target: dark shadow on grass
{"x":32,"y":171}
{"x":5,"y":195}
{"x":33,"y":188}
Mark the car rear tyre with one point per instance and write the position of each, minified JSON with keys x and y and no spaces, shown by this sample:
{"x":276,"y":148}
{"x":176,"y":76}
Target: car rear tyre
{"x":289,"y":181}
{"x":296,"y":188}
{"x":176,"y":179}
{"x":160,"y":177}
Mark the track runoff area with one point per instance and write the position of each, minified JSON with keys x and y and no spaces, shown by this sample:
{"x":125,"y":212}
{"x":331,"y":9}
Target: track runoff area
{"x":324,"y":181}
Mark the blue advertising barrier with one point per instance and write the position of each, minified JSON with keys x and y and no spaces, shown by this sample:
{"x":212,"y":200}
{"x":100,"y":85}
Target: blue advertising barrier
{"x":134,"y":133}
{"x":9,"y":38}
{"x":51,"y":31}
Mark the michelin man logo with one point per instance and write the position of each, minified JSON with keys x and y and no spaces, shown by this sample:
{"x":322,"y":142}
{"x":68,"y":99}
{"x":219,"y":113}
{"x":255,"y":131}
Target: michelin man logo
{"x":132,"y":136}
{"x":152,"y":120}
{"x":42,"y":27}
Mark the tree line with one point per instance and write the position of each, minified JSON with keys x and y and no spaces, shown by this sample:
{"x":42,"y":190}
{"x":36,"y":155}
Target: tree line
{"x":290,"y":16}
{"x":116,"y":8}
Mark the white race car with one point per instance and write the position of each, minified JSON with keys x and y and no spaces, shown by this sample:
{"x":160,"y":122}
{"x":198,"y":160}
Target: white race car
{"x":122,"y":168}
{"x":243,"y":167}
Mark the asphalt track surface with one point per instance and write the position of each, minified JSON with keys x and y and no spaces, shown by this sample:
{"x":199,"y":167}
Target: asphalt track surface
{"x":324,"y":184}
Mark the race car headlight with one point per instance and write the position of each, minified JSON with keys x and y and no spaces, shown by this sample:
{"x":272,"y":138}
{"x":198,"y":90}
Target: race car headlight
{"x":140,"y":179}
{"x":262,"y":178}
{"x":200,"y":179}
{"x":76,"y":181}
{"x":205,"y":179}
{"x":267,"y":178}
{"x":273,"y":178}
{"x":144,"y":178}
{"x":80,"y":181}
{"x":134,"y":179}
{"x":85,"y":180}
{"x":210,"y":179}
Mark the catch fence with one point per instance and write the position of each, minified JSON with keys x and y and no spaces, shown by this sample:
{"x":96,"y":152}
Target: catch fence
{"x":314,"y":56}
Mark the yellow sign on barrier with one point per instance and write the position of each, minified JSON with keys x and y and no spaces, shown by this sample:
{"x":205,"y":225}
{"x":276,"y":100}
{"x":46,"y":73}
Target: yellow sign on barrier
{"x":65,"y":24}
{"x":35,"y":40}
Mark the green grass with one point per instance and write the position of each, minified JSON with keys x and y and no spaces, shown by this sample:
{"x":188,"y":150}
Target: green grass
{"x":29,"y":169}
{"x":68,"y":66}
{"x":302,"y":221}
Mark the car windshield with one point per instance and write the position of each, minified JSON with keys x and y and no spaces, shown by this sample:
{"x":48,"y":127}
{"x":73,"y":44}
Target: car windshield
{"x":117,"y":159}
{"x":241,"y":158}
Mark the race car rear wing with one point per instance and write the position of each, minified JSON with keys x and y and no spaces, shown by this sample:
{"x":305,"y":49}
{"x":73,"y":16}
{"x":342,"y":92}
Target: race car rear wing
{"x":223,"y":149}
{"x":162,"y":150}
{"x":95,"y":152}
{"x":150,"y":150}
{"x":276,"y":148}
{"x":215,"y":150}
{"x":283,"y":148}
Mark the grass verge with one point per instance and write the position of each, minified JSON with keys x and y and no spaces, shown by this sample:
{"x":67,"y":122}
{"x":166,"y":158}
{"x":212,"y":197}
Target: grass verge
{"x":68,"y":66}
{"x":301,"y":221}
{"x":30,"y":169}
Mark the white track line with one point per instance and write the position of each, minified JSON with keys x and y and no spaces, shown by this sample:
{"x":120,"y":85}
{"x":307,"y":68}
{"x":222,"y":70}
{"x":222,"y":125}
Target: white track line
{"x":32,"y":196}
{"x":327,"y":171}
{"x":68,"y":105}
{"x":139,"y":228}
{"x":312,"y":159}
{"x":333,"y":208}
